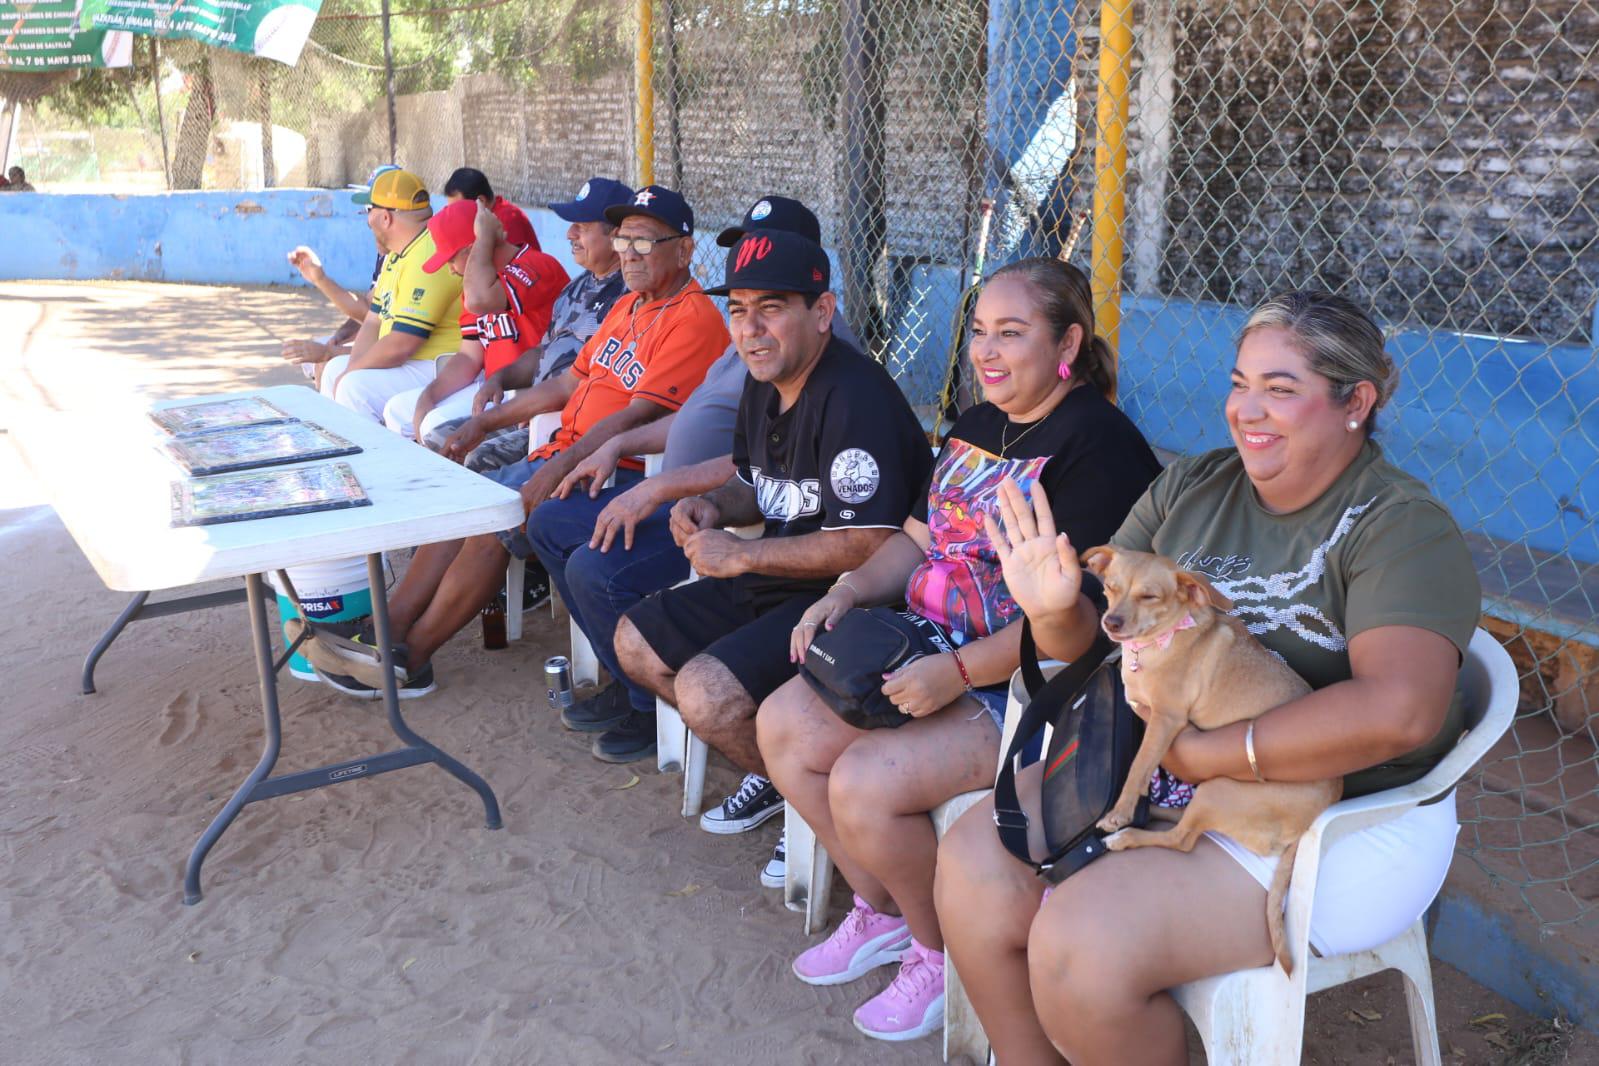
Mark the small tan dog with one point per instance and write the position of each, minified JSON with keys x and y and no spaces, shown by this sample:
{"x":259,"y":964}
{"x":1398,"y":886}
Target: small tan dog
{"x":1185,"y":661}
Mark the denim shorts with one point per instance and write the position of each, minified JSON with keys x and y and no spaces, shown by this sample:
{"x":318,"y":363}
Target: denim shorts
{"x":993,"y":699}
{"x":514,"y":476}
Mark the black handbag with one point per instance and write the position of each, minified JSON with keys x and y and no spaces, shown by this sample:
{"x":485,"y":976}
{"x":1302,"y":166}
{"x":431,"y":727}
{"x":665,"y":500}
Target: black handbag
{"x":1095,"y":737}
{"x":845,"y":665}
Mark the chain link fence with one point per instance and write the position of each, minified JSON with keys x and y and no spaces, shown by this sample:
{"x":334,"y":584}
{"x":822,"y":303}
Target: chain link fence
{"x":1436,"y":160}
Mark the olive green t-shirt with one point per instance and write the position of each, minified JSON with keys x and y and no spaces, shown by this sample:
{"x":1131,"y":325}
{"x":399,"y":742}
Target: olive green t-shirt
{"x":1376,"y":549}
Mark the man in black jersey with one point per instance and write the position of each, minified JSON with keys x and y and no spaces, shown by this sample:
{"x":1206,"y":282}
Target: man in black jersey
{"x":828,"y":455}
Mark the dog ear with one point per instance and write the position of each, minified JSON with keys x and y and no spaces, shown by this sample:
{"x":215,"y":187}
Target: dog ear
{"x":1097,"y":560}
{"x":1197,"y":590}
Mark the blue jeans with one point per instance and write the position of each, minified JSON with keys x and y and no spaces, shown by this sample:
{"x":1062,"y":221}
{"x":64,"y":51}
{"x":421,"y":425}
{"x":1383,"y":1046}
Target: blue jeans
{"x":599,"y":587}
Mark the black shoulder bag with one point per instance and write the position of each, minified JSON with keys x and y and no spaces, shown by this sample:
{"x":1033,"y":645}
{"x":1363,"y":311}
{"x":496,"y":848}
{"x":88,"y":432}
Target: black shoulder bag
{"x":1095,"y":736}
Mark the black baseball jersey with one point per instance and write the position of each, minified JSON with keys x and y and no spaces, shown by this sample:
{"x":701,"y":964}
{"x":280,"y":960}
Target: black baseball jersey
{"x":848,"y":455}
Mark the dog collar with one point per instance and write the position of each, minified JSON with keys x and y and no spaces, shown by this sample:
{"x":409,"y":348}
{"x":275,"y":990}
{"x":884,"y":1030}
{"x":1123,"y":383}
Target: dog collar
{"x":1131,"y":648}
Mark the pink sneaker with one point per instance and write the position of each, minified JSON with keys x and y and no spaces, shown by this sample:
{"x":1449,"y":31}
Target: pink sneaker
{"x":913,"y":1004}
{"x":863,"y":941}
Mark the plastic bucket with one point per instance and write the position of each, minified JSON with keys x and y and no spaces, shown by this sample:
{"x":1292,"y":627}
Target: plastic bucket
{"x":332,"y":591}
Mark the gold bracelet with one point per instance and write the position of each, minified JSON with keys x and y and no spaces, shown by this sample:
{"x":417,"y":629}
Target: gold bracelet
{"x":840,"y":581}
{"x":1249,"y":752}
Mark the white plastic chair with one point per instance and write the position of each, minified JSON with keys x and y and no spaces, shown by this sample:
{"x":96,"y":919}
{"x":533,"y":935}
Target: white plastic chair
{"x":541,"y":428}
{"x":1257,"y":1017}
{"x":676,"y":746}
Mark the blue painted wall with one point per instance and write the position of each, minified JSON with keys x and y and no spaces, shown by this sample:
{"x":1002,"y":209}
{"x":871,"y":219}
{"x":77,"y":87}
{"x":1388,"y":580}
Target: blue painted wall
{"x":218,"y":238}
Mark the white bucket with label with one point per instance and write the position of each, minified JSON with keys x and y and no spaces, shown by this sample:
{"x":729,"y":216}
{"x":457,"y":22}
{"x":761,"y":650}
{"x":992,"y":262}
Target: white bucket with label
{"x":335,"y":591}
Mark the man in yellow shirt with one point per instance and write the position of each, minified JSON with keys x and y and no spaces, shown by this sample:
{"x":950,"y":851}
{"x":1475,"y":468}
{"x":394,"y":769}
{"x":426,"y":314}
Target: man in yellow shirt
{"x":415,"y":316}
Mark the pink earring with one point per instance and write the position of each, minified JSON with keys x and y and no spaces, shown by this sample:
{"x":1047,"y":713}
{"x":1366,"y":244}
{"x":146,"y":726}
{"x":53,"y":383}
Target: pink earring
{"x":1064,"y":370}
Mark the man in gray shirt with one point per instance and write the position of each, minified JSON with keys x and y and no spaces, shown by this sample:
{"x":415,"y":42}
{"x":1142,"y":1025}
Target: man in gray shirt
{"x":607,"y":549}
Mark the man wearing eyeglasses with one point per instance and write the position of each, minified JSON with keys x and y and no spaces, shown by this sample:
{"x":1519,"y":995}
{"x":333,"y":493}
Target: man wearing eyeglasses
{"x":414,"y":318}
{"x":649,"y":354}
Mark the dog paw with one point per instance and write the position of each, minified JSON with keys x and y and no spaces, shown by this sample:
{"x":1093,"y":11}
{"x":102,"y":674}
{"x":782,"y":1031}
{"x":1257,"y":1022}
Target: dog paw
{"x":1116,"y":841}
{"x":1113,"y":821}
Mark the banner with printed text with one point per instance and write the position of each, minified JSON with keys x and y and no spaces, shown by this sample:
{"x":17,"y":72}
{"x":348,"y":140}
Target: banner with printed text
{"x":271,"y":29}
{"x":43,"y":35}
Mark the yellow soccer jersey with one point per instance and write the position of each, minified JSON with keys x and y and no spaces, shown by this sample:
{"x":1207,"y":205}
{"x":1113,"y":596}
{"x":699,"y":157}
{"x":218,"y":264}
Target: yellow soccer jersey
{"x":410,"y":300}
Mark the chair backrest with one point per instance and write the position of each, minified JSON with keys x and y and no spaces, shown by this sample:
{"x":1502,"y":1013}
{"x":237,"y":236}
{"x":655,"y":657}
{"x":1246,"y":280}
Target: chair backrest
{"x":1490,"y":690}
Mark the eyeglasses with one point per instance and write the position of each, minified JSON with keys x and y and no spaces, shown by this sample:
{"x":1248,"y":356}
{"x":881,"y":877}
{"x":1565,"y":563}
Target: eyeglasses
{"x":374,"y":207}
{"x":641,"y":245}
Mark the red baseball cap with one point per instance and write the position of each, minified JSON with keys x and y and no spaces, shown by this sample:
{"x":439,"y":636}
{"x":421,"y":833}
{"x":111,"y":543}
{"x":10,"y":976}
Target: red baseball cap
{"x":452,"y":229}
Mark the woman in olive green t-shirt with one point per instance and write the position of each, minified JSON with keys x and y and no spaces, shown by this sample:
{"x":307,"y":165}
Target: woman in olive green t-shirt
{"x":1358,"y":578}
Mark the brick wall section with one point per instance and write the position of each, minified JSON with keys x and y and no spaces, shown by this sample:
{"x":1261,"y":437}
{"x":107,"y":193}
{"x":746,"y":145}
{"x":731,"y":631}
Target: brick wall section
{"x":1436,"y":160}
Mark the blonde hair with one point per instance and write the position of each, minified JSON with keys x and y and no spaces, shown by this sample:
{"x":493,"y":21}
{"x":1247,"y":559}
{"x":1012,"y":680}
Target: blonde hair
{"x":1337,"y":339}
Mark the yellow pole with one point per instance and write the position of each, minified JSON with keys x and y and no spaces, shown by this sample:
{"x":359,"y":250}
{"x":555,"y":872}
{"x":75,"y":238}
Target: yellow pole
{"x":1110,"y":168}
{"x":644,"y":86}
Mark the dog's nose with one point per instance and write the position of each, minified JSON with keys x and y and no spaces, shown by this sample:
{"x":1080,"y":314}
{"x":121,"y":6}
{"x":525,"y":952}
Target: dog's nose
{"x":1113,"y":622}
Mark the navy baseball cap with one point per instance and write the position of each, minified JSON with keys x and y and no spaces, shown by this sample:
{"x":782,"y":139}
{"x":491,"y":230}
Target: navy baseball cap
{"x":592,"y":199}
{"x":775,"y":261}
{"x":657,"y":202}
{"x":774,"y":212}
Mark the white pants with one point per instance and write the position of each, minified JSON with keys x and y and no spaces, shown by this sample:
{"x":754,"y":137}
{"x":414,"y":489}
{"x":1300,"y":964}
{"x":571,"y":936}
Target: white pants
{"x":1374,"y":882}
{"x":367,"y":391}
{"x":402,"y":405}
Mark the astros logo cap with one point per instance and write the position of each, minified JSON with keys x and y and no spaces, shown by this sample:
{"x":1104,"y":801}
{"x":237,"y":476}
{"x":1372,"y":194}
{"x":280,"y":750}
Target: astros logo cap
{"x":657,"y":202}
{"x":773,"y":260}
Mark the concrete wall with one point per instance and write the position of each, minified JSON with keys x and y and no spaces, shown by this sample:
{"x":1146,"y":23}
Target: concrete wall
{"x":217,"y":238}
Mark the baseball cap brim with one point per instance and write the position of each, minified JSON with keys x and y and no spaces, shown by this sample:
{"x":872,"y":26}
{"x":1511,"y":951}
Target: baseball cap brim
{"x":617,"y":212}
{"x":729,"y":237}
{"x":364,"y":196}
{"x":436,"y":261}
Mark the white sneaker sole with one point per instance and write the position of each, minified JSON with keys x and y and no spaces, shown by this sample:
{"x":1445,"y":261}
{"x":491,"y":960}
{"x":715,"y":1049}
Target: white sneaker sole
{"x":773,"y":880}
{"x":886,"y":949}
{"x":743,"y":825}
{"x":932,"y":1022}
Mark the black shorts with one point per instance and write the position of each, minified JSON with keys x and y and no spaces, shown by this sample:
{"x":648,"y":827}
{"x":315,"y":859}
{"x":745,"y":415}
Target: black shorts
{"x":742,"y":622}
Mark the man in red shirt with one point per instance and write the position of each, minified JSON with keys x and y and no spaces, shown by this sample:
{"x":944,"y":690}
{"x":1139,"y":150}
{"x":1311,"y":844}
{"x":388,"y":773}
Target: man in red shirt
{"x":649,"y":354}
{"x":507,"y":294}
{"x":469,"y":184}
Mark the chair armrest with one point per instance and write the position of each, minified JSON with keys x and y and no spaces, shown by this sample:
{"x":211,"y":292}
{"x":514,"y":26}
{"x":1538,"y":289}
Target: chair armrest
{"x":654,"y":463}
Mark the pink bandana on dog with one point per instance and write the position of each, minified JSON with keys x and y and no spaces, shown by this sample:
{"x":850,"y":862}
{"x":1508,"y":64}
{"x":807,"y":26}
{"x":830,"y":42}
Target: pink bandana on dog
{"x":1132,"y":647}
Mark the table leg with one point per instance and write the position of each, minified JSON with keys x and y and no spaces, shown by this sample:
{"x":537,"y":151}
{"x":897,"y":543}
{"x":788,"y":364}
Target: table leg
{"x":129,"y":613}
{"x":391,"y":699}
{"x":272,"y":724}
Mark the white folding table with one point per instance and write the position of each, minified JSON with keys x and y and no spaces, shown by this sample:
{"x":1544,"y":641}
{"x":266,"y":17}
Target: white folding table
{"x":112,"y":489}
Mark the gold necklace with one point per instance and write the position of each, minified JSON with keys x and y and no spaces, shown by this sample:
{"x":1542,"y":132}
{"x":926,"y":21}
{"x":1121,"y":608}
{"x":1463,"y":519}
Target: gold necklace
{"x":1006,"y":445}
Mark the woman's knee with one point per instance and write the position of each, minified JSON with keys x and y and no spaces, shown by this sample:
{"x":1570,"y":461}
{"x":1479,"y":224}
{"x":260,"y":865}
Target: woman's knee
{"x":985,"y":898}
{"x":866,"y":787}
{"x":780,"y":723}
{"x":1081,"y":964}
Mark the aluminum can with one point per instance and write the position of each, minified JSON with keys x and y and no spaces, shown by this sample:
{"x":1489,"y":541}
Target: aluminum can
{"x":558,"y":682}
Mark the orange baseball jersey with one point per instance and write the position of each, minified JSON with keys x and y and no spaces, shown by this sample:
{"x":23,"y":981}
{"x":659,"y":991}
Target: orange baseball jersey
{"x":658,"y":350}
{"x":532,"y":281}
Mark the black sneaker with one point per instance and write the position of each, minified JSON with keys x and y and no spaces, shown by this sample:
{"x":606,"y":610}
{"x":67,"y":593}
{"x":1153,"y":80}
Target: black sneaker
{"x":775,"y":872}
{"x":630,"y":740}
{"x":535,"y":584}
{"x":755,"y":801}
{"x":599,"y":712}
{"x":418,"y":684}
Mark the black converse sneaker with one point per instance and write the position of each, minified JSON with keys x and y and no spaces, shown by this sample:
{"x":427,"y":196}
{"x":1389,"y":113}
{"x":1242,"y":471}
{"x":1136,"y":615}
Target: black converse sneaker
{"x":755,"y":801}
{"x":776,"y":868}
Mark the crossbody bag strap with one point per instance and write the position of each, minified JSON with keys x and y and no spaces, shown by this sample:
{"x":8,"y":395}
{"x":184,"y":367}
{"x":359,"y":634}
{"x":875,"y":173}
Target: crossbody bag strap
{"x":1045,"y":698}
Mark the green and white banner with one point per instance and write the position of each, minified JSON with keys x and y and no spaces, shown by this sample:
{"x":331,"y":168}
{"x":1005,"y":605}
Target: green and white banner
{"x":40,"y":35}
{"x":272,"y":29}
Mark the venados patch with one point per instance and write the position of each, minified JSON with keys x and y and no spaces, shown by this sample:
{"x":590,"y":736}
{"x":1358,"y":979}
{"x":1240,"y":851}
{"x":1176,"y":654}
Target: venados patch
{"x":855,"y":476}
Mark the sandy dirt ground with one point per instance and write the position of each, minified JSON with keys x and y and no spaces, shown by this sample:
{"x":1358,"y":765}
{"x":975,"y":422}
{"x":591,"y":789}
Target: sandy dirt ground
{"x":379,"y":920}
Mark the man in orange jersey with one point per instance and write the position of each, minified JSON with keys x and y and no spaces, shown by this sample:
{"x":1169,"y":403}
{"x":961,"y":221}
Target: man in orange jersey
{"x":649,"y":354}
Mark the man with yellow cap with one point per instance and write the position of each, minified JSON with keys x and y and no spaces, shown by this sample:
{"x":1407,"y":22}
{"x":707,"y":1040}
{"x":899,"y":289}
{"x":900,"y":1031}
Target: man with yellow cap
{"x":414,"y":316}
